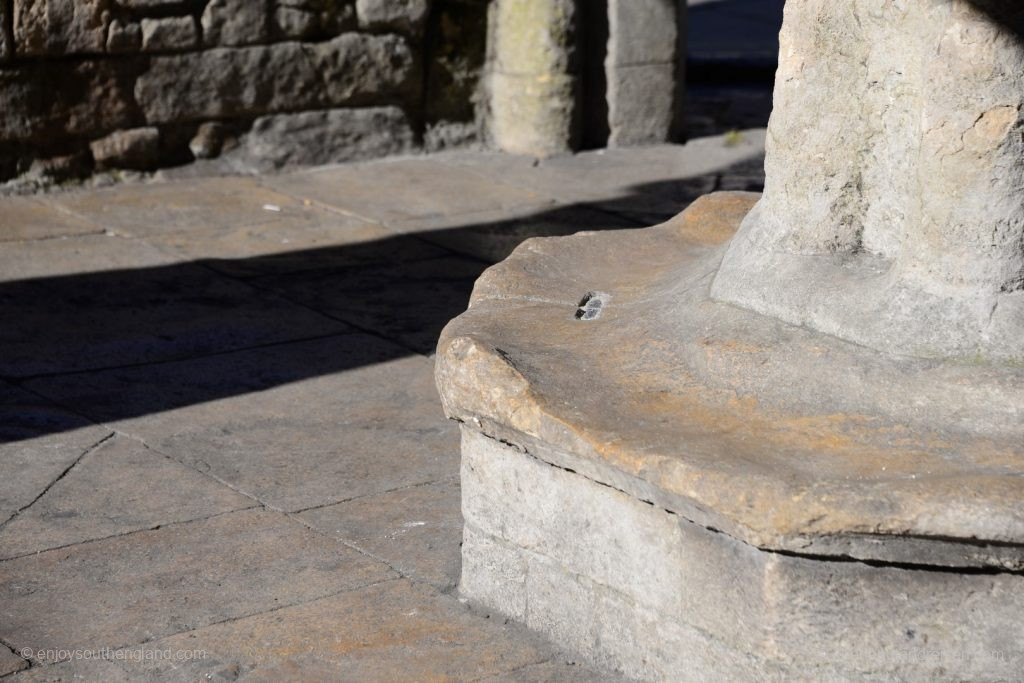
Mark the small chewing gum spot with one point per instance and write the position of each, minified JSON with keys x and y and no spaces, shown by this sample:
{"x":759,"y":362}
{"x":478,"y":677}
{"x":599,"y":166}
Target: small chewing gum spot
{"x":591,"y":305}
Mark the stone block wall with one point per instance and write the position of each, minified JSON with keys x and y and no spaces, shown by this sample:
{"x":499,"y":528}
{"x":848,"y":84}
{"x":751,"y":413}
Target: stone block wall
{"x":139,"y":84}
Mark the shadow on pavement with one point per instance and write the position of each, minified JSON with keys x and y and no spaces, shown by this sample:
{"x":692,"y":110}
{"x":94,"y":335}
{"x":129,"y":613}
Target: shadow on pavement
{"x":195,"y":331}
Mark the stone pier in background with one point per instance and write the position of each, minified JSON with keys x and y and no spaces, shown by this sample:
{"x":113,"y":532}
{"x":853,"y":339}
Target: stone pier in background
{"x":778,"y":437}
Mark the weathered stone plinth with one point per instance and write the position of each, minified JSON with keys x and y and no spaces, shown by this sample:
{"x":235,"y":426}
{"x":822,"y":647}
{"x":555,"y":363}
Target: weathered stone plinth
{"x":683,"y":489}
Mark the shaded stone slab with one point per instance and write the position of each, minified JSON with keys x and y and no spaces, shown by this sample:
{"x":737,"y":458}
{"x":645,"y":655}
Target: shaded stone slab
{"x":417,"y":530}
{"x":29,"y":219}
{"x":38,"y":441}
{"x":143,"y":313}
{"x":353,"y":409}
{"x":493,"y":235}
{"x":178,"y":578}
{"x":115,"y":488}
{"x":190,"y":205}
{"x":416,"y":188}
{"x":328,"y":241}
{"x":406,"y":302}
{"x":394,"y":631}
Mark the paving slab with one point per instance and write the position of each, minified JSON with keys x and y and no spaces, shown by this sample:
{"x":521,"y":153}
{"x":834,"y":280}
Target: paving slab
{"x":418,"y":530}
{"x":76,"y":255}
{"x":38,"y":442}
{"x":334,"y":241}
{"x":117,"y":487}
{"x":399,"y":189}
{"x":554,"y":672}
{"x":105,"y":313}
{"x":408,"y":302}
{"x":493,"y":235}
{"x":10,"y":662}
{"x":613,"y":175}
{"x":295,"y":425}
{"x":79,"y":670}
{"x":151,"y":584}
{"x":393,"y":631}
{"x":186,"y":206}
{"x":25,"y":218}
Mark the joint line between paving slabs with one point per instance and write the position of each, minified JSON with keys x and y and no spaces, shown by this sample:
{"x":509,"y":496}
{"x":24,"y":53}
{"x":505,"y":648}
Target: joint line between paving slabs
{"x":64,"y":473}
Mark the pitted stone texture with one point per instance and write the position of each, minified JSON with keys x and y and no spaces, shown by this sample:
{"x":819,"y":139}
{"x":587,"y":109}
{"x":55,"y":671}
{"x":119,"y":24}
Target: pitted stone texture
{"x":235,"y":22}
{"x":171,"y":34}
{"x":640,"y":589}
{"x":348,"y":70}
{"x":641,"y":71}
{"x":533,"y":82}
{"x":138,"y":148}
{"x":402,"y":15}
{"x":59,"y":27}
{"x":5,"y":42}
{"x":44,"y":101}
{"x":781,"y":437}
{"x":897,"y":222}
{"x":123,"y":37}
{"x":329,"y":136}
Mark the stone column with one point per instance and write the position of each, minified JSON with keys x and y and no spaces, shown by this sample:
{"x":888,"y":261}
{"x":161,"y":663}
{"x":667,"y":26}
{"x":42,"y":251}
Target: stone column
{"x":642,"y":71}
{"x":893,"y":213}
{"x":533,"y":82}
{"x":795,"y":451}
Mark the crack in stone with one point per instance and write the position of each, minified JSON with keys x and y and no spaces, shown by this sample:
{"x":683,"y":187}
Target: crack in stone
{"x":818,"y":557}
{"x":63,"y":474}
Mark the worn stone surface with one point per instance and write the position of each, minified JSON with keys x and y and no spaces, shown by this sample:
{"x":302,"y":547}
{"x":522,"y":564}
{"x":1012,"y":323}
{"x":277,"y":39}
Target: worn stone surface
{"x":38,"y":441}
{"x":400,"y":15}
{"x":645,"y":591}
{"x":10,"y":662}
{"x":417,"y":530}
{"x":333,"y":135}
{"x":348,"y":70}
{"x":142,"y":586}
{"x":44,"y":101}
{"x":138,"y":148}
{"x":172,"y":34}
{"x":377,"y":298}
{"x":124,"y":36}
{"x":158,"y":311}
{"x":908,"y":203}
{"x":26,"y":219}
{"x":245,"y":429}
{"x":235,"y":22}
{"x":360,"y":635}
{"x":774,"y":434}
{"x":57,"y":27}
{"x":73,"y":672}
{"x":642,"y":71}
{"x":416,"y":190}
{"x":532,"y":82}
{"x":358,"y":409}
{"x":175,"y":207}
{"x":334,"y":242}
{"x":5,"y":40}
{"x":118,"y":475}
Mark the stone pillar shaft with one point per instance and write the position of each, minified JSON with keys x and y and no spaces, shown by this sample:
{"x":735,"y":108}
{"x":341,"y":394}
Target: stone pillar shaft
{"x":895,"y":174}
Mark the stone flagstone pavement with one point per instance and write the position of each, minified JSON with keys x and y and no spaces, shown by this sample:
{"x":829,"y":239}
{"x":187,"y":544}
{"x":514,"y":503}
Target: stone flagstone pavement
{"x":219,"y":431}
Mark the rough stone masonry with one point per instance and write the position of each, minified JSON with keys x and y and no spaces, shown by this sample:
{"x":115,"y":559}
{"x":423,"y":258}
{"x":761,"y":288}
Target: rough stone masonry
{"x":137,"y":84}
